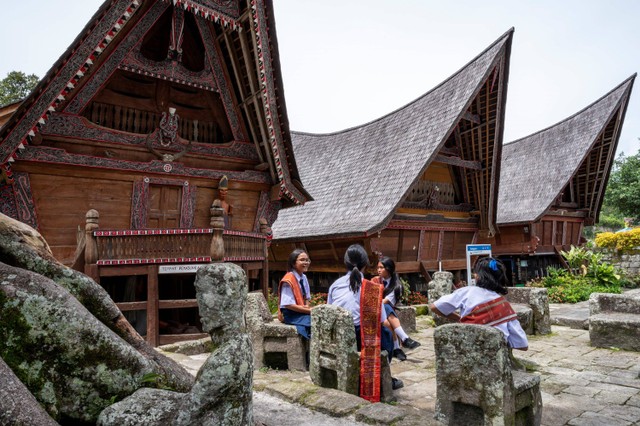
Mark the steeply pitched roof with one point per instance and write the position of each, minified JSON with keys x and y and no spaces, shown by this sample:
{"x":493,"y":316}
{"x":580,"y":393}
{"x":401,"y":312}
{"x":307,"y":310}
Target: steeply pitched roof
{"x":118,"y":25}
{"x":359,"y":176}
{"x":536,"y":168}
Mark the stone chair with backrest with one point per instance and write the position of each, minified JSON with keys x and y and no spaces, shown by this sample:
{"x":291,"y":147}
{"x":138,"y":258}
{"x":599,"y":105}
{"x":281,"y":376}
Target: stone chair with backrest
{"x":475,"y":381}
{"x":270,"y":336}
{"x":334,"y":358}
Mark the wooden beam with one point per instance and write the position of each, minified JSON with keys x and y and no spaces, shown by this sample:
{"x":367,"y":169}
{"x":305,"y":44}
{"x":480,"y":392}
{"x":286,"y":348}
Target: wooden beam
{"x":153,"y":328}
{"x":177,"y":304}
{"x":457,"y":161}
{"x":474,"y":118}
{"x":424,"y":272}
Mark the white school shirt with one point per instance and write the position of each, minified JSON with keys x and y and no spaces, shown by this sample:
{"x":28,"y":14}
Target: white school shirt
{"x":467,"y":298}
{"x":391,"y":297}
{"x":286,"y":293}
{"x":341,"y":295}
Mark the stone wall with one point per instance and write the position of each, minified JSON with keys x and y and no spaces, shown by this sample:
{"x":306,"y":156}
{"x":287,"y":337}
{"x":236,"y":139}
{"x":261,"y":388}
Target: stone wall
{"x":629,"y":263}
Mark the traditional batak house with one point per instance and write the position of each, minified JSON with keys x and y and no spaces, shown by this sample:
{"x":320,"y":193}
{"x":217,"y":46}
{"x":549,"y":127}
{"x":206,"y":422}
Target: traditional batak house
{"x":156,"y":109}
{"x":417,"y":184}
{"x":552,"y":184}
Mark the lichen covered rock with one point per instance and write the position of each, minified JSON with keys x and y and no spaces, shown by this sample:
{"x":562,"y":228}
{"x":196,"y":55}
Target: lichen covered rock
{"x":71,"y":362}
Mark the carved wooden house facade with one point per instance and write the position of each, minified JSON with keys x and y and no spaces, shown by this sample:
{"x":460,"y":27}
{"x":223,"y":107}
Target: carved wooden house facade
{"x":552,"y":184}
{"x":138,"y":122}
{"x":417,"y":184}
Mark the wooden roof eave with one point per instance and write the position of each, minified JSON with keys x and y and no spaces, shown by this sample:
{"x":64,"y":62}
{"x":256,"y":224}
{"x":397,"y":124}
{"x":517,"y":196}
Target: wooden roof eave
{"x":47,"y":78}
{"x":616,"y":110}
{"x":278,"y":113}
{"x":499,"y":134}
{"x":501,"y":60}
{"x":616,"y":139}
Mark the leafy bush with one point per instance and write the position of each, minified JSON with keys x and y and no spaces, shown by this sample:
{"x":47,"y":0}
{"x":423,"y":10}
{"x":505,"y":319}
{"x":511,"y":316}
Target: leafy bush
{"x":272,"y":302}
{"x":406,"y":291}
{"x":568,"y":288}
{"x":610,"y":222}
{"x":606,"y":240}
{"x":625,"y":241}
{"x":628,"y":240}
{"x":318,"y":299}
{"x":589,"y":274}
{"x":416,"y":298}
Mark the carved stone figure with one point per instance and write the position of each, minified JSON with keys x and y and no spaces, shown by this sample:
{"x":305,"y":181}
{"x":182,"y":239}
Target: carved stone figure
{"x":222,"y":393}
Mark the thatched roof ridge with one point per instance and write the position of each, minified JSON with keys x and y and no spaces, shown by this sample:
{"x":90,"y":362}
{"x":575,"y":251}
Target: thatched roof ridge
{"x":536,"y":168}
{"x":359,"y":176}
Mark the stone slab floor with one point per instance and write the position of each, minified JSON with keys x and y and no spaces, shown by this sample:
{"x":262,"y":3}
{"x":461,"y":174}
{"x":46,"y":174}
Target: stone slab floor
{"x":581,"y":385}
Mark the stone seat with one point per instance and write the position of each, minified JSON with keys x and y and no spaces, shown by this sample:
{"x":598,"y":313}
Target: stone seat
{"x":525,"y":316}
{"x":614,"y":321}
{"x":270,"y":337}
{"x":475,"y":382}
{"x":407,"y":317}
{"x":536,"y":299}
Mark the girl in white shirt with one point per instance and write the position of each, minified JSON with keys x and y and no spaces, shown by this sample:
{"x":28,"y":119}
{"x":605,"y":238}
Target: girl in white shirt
{"x":483,"y":303}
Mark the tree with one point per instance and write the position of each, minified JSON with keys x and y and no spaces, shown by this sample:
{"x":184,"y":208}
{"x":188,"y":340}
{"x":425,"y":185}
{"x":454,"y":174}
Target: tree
{"x":16,"y":86}
{"x":623,"y":192}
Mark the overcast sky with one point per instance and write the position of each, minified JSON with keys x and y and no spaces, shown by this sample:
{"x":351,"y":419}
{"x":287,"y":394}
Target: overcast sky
{"x":347,"y":62}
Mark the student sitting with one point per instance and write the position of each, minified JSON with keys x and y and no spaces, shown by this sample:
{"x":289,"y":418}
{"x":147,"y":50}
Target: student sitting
{"x":294,"y":294}
{"x":483,"y":303}
{"x":392,"y":294}
{"x":363,"y":299}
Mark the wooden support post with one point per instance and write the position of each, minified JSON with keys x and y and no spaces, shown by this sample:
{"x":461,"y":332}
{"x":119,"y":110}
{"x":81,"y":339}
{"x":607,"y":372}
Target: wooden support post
{"x":153,"y":304}
{"x":217,"y":223}
{"x":264,"y":279}
{"x":92,"y":219}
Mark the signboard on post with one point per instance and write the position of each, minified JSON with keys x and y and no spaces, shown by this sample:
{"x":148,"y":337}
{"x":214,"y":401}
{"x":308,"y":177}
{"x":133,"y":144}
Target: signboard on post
{"x":179,"y":269}
{"x":476,"y":250}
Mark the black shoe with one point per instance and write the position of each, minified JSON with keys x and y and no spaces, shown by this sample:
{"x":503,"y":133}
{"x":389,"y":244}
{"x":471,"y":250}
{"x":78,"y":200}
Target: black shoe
{"x":399,"y":354}
{"x":396,"y":383}
{"x":409,"y":343}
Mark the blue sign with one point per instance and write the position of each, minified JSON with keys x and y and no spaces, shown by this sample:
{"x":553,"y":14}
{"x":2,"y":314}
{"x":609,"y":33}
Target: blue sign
{"x":475,"y":249}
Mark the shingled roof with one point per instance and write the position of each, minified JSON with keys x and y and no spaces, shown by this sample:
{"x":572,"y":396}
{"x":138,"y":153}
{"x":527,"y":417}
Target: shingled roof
{"x":536,"y":169}
{"x":359,"y":176}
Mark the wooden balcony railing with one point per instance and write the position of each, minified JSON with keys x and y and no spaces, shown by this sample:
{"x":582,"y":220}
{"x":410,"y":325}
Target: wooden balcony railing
{"x":150,"y":246}
{"x":104,"y":248}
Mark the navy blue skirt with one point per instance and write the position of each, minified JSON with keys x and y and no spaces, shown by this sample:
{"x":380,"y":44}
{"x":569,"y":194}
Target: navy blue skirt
{"x":389,"y":310}
{"x":301,"y":321}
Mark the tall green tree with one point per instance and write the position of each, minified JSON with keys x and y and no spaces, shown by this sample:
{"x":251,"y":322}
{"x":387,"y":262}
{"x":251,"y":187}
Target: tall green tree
{"x":16,"y":86}
{"x":623,"y":191}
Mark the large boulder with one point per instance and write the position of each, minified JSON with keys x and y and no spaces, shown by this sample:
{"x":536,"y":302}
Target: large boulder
{"x":71,"y":362}
{"x":63,"y":336}
{"x":23,"y":247}
{"x":18,"y":406}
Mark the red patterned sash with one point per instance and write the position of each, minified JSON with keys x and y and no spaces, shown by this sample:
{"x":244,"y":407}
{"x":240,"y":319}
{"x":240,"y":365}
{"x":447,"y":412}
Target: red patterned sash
{"x":494,"y":312}
{"x":370,"y":311}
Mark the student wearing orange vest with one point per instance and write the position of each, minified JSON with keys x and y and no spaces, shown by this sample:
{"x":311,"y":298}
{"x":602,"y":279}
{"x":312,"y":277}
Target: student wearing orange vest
{"x":294,"y":294}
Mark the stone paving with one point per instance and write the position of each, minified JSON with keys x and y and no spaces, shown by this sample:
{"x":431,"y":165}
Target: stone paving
{"x":580,"y":385}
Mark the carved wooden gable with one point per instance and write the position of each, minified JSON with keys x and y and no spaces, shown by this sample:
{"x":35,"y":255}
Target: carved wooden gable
{"x":157,"y":83}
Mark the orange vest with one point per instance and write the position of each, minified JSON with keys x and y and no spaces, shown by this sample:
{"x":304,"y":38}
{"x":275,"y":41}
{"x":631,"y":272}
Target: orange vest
{"x":290,"y":279}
